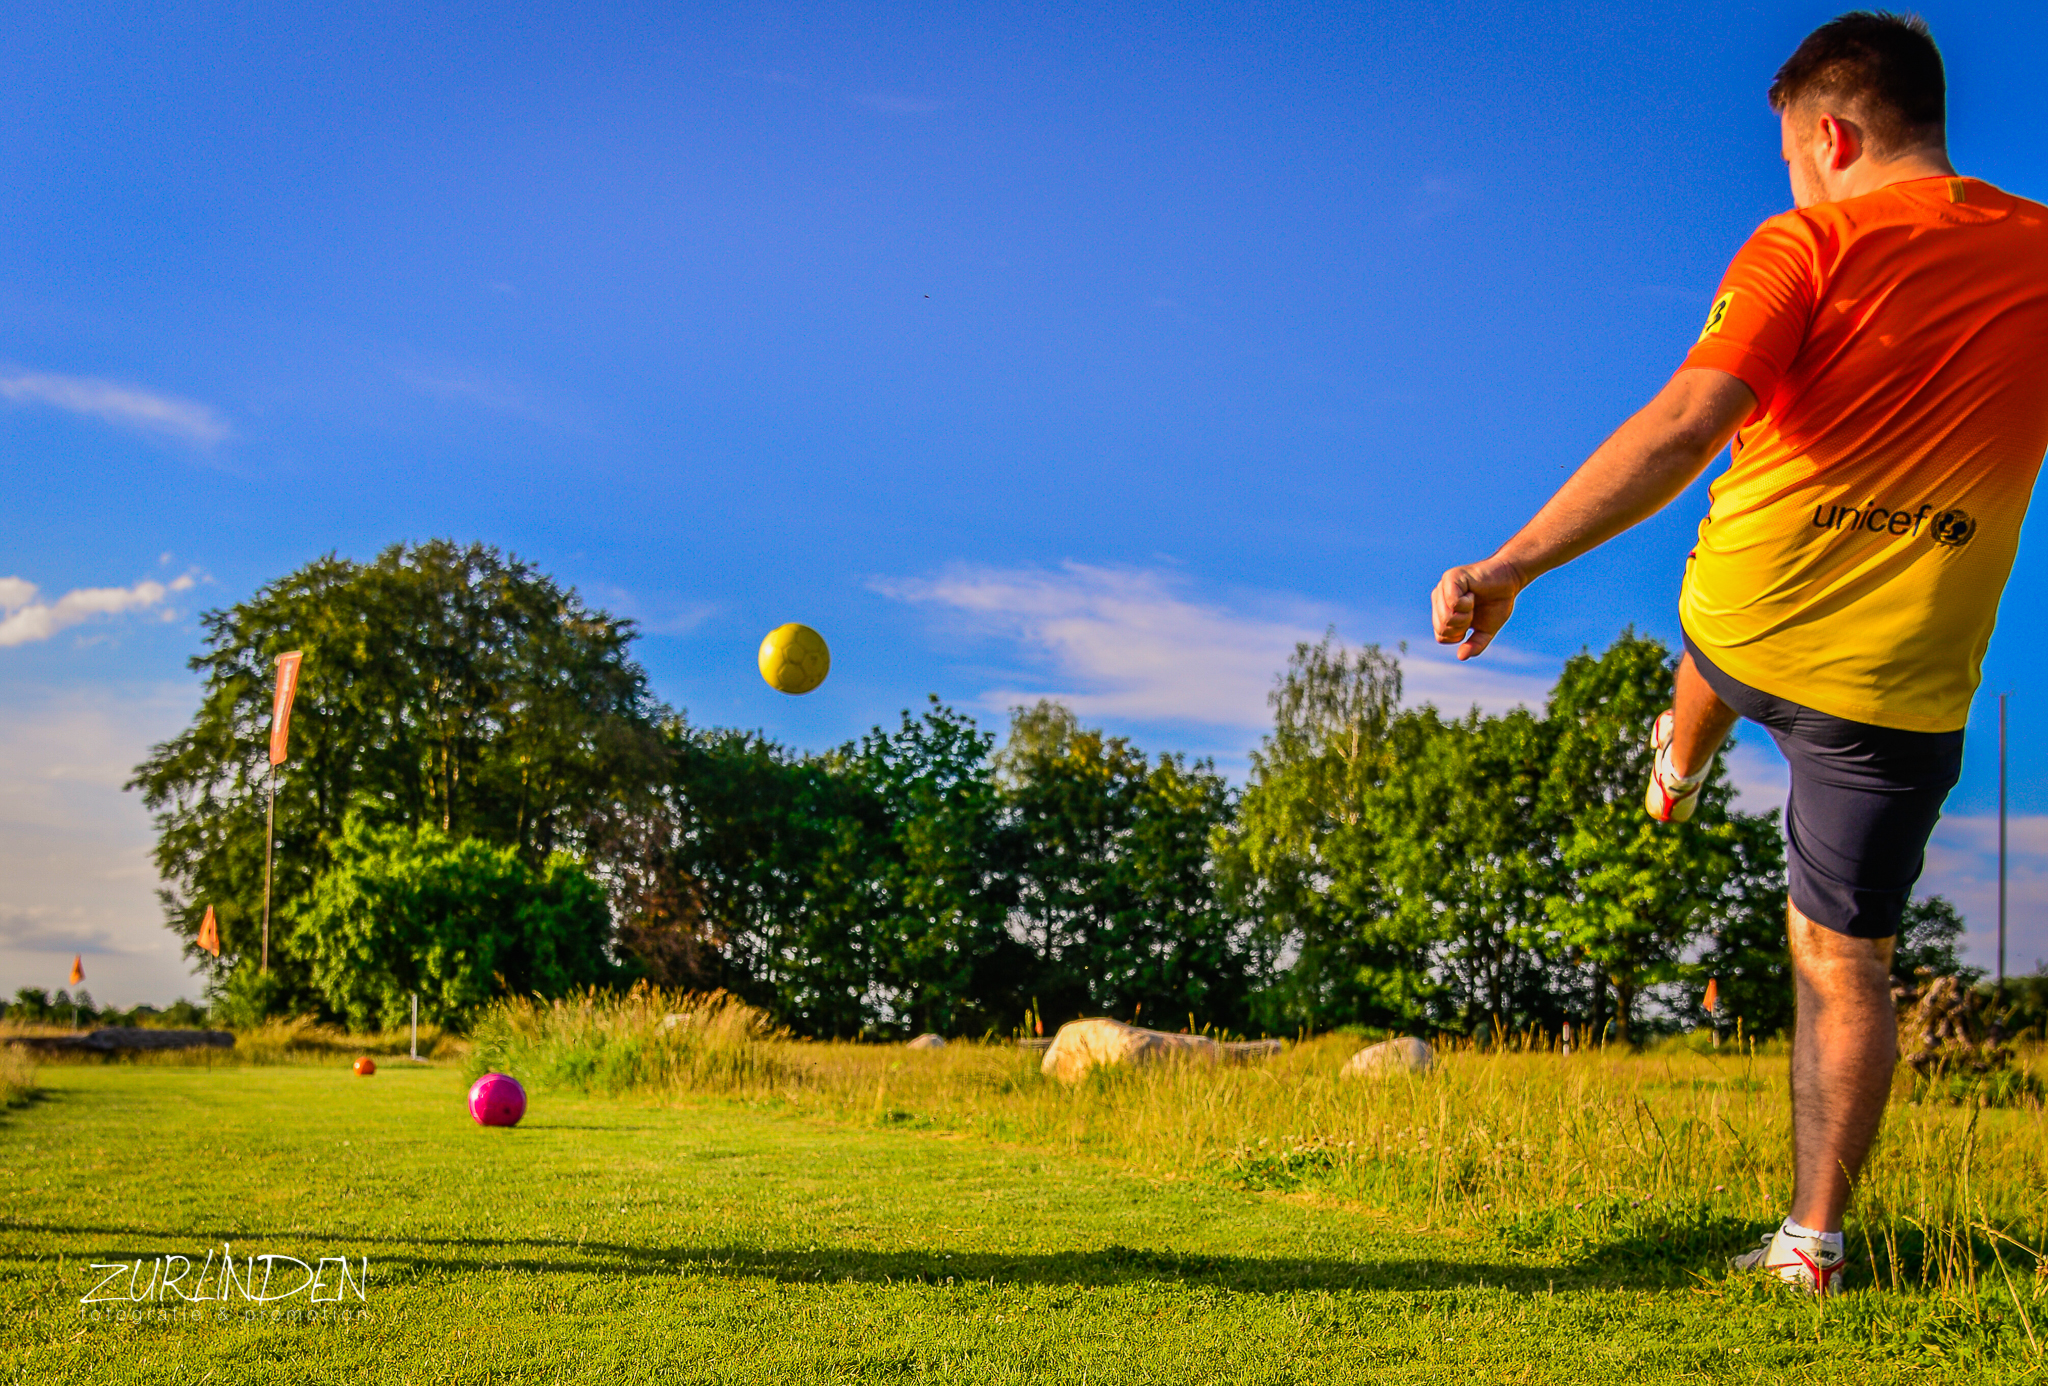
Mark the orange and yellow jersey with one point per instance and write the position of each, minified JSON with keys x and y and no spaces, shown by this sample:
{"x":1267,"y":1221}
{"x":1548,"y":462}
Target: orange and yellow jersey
{"x":1897,"y":345}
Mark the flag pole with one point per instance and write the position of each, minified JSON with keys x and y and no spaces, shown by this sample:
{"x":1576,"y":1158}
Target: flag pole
{"x":2001,"y":844}
{"x":280,"y":730}
{"x":269,"y":836}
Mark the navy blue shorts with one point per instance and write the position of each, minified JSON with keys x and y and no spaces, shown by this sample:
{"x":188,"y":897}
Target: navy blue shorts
{"x":1864,"y":802}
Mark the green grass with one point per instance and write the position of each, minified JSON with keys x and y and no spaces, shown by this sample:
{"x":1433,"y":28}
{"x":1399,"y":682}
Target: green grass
{"x":1675,"y":1152}
{"x":814,"y":1236}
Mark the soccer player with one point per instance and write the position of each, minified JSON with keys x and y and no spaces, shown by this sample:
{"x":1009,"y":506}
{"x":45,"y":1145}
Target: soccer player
{"x":1879,"y":357}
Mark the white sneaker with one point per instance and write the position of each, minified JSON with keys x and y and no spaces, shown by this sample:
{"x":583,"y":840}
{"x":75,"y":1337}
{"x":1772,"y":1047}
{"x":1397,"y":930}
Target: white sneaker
{"x":1671,"y":797}
{"x":1802,"y":1261}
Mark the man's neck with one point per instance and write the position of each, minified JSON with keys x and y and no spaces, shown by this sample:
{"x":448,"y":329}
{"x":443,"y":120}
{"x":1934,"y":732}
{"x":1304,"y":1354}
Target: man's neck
{"x":1867,"y":176}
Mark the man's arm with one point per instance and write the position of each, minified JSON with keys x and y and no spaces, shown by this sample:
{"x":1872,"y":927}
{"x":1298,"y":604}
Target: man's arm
{"x":1630,"y":477}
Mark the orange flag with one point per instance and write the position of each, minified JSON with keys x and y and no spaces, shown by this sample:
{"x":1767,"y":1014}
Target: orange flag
{"x":77,"y":968}
{"x":1713,"y":995}
{"x":281,"y":703}
{"x":209,"y":933}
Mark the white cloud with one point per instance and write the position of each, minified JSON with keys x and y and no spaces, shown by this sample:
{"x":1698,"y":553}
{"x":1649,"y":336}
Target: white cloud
{"x":1760,"y":775}
{"x":23,"y":618}
{"x":1503,"y":678}
{"x":75,"y":870}
{"x":124,"y":405}
{"x":1962,"y":863}
{"x":1119,"y":642}
{"x":479,"y":390}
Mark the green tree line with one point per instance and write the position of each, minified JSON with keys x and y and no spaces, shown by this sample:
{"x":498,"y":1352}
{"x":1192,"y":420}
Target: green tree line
{"x":484,"y":798}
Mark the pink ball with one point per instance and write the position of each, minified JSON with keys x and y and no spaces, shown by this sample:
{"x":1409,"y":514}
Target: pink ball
{"x":496,"y":1099}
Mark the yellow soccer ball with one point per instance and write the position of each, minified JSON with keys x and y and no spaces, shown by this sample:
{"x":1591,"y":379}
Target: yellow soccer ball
{"x":794,"y":659}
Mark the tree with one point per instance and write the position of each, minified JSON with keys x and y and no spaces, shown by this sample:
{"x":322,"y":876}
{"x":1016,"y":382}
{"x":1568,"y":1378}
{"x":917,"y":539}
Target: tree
{"x":444,"y":687}
{"x":1116,"y":895}
{"x":944,"y":959}
{"x":1748,"y":953}
{"x":1469,"y":844}
{"x":1930,"y":938}
{"x":862,"y":891}
{"x":1305,"y":855}
{"x":1634,"y":893}
{"x":457,"y":922}
{"x":749,"y":865}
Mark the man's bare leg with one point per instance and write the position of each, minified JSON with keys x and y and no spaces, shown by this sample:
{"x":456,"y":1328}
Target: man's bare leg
{"x":1844,"y":1046}
{"x":1700,"y":721}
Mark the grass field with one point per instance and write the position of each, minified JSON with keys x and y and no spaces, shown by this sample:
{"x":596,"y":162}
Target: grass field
{"x":841,"y":1231}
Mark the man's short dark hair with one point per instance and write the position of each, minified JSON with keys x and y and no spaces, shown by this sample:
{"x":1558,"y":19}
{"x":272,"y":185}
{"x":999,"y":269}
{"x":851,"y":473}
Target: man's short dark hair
{"x":1885,"y":66}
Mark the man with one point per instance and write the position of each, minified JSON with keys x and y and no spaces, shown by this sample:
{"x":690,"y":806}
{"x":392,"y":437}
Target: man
{"x":1879,"y":355}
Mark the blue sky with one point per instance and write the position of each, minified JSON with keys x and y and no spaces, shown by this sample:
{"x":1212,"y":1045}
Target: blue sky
{"x":1090,"y":351}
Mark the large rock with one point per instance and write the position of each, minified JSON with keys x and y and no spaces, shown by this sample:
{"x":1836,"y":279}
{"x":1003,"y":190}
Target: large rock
{"x":1082,"y":1044}
{"x":129,"y":1039}
{"x":1404,"y":1055}
{"x":926,"y":1042}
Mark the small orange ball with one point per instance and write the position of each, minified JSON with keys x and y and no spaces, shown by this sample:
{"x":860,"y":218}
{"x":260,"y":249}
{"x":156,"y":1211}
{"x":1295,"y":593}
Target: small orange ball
{"x":366,"y":1065}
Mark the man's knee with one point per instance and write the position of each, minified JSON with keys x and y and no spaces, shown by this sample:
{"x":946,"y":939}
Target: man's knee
{"x":1838,"y":969}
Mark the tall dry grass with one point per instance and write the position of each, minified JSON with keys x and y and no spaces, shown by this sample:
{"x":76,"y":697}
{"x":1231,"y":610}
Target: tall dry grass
{"x":1672,"y":1152}
{"x":17,"y":1076}
{"x":643,"y":1039}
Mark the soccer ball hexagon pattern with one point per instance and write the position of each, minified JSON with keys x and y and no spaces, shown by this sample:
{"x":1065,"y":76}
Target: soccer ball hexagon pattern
{"x":794,"y":659}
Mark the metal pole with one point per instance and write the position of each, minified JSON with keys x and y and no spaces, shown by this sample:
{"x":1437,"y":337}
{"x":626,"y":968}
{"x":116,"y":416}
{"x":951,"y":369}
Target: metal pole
{"x":2001,"y":843}
{"x":269,"y":836}
{"x":415,"y":1027}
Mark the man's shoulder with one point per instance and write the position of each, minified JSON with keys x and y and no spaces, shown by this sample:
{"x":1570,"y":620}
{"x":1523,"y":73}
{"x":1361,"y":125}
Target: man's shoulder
{"x":2025,"y":209}
{"x":1796,"y":234}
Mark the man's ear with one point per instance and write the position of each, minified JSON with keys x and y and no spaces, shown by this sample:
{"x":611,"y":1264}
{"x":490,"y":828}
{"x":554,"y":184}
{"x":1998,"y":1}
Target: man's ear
{"x":1842,"y":142}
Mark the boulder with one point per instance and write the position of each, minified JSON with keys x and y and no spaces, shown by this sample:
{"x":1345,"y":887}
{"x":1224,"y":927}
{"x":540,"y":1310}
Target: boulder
{"x":1404,"y":1055}
{"x":126,"y":1039}
{"x":1082,"y":1044}
{"x":926,"y":1042}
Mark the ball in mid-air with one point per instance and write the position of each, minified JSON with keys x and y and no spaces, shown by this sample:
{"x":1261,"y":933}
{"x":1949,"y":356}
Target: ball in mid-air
{"x":366,"y":1066}
{"x":496,"y":1099}
{"x":794,"y":659}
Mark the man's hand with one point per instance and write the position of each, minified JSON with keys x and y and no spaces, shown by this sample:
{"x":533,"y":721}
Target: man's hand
{"x":1472,"y":603}
{"x":1630,"y":477}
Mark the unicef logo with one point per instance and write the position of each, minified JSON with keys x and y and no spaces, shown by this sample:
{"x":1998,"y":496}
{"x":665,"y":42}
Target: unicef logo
{"x":1952,"y":528}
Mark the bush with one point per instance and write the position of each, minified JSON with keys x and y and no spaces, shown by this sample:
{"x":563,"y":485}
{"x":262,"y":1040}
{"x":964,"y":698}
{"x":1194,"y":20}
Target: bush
{"x":248,"y":997}
{"x":457,"y":922}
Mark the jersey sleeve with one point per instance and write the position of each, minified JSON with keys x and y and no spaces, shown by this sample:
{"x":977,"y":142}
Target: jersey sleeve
{"x":1763,"y":308}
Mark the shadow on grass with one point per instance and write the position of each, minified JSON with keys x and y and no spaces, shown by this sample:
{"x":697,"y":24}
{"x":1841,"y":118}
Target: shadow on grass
{"x":1618,"y":1265}
{"x":21,"y":1102}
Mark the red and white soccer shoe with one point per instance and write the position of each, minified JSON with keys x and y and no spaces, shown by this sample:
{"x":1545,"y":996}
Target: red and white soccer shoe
{"x":1671,"y":797}
{"x":1806,"y":1263}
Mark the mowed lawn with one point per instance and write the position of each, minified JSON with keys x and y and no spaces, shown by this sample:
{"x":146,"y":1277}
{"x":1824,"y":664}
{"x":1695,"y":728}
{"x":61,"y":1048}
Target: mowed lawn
{"x":618,"y":1240}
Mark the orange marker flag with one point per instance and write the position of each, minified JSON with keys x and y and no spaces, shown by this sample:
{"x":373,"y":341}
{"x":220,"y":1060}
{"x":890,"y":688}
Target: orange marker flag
{"x":209,"y":933}
{"x":77,"y":968}
{"x":1713,"y":1001}
{"x":281,"y":703}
